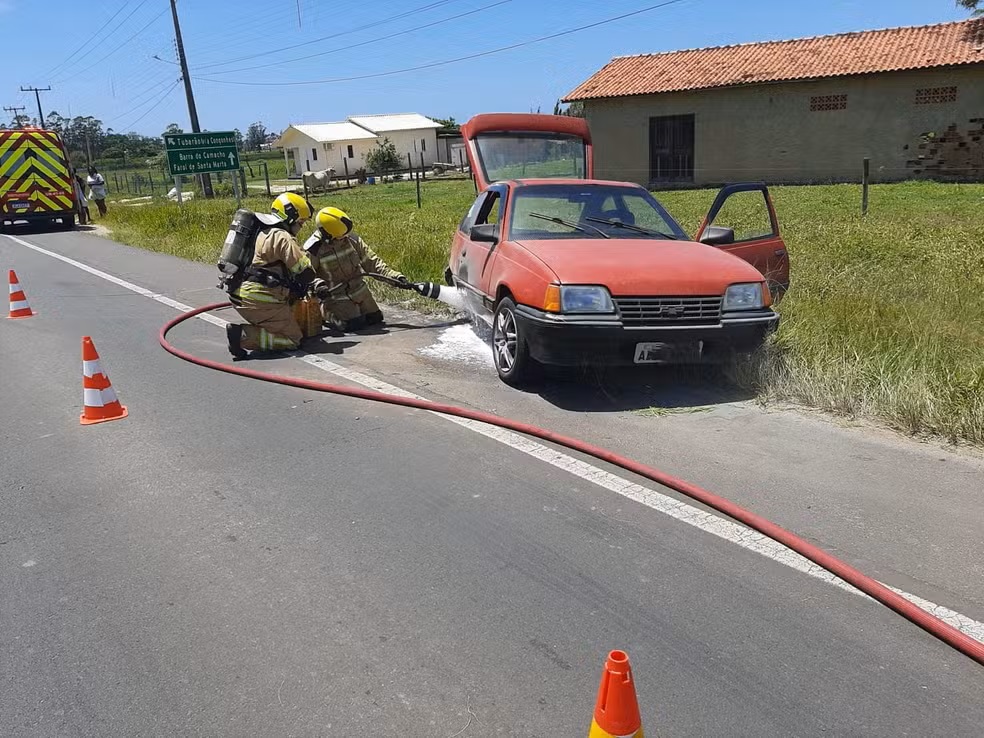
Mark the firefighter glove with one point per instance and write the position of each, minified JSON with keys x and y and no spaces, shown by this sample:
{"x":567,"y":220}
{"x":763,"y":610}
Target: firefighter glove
{"x":321,"y":289}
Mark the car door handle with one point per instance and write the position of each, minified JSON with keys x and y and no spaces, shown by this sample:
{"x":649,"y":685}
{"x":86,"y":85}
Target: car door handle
{"x":780,"y":252}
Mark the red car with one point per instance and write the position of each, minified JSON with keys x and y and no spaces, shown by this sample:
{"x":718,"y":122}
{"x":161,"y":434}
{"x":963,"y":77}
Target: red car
{"x":571,"y":270}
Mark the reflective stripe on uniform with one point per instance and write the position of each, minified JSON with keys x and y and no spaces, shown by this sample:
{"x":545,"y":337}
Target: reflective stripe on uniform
{"x":332,"y":257}
{"x":258,"y":293}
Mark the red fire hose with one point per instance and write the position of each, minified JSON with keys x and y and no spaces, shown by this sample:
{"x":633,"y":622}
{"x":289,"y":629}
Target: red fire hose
{"x":945,"y":632}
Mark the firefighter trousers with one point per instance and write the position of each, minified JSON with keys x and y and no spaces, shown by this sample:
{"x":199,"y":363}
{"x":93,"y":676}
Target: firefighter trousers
{"x":354,"y":308}
{"x":272,"y":326}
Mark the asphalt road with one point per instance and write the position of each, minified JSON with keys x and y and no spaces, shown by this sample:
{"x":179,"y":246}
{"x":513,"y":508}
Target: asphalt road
{"x":238,"y":558}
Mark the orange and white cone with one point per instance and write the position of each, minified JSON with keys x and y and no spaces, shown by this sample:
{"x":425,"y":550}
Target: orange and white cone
{"x":19,"y":307}
{"x":616,"y":713}
{"x":98,"y":396}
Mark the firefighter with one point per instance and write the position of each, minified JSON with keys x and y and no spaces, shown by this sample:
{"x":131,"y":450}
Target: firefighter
{"x":341,"y":257}
{"x":280,"y":273}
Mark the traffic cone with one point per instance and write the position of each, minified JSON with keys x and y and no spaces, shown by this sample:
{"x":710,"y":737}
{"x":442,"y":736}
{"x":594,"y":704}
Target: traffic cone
{"x":616,"y":713}
{"x":18,"y":300}
{"x":98,"y":396}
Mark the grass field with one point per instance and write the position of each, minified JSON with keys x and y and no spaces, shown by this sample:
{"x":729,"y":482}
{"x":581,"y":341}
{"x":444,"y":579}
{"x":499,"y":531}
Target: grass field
{"x":884,"y":319}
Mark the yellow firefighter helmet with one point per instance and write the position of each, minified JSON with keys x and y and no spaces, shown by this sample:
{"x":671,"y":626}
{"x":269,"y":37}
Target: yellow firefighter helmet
{"x":334,"y":222}
{"x":291,"y":208}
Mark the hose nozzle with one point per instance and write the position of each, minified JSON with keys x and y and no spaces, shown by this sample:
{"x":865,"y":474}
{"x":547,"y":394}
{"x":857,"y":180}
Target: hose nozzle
{"x":427,"y":289}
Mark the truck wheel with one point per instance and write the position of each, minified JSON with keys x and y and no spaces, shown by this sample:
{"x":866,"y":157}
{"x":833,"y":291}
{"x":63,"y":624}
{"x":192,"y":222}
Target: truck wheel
{"x":510,"y":352}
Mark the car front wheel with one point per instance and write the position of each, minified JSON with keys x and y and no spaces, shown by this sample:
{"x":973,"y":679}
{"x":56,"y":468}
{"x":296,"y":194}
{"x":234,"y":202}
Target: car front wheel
{"x":510,"y":352}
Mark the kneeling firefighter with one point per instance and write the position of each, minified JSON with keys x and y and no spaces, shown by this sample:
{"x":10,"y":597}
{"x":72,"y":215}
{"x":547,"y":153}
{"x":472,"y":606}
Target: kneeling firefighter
{"x":342,"y":258}
{"x":265,"y":271}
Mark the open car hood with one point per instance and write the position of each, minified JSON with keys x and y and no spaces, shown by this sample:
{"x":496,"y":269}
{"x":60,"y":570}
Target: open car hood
{"x":640,"y":267}
{"x":504,"y":146}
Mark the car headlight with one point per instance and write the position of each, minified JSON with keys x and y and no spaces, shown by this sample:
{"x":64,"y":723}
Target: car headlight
{"x":579,"y":299}
{"x":744,"y":297}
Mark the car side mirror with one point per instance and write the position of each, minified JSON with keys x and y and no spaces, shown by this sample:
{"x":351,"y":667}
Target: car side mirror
{"x":718,"y":236}
{"x":485,"y":233}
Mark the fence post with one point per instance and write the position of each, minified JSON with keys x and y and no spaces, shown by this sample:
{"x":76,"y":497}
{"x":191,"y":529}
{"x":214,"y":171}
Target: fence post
{"x":418,"y":189}
{"x":410,"y":164}
{"x":461,"y":164}
{"x":235,"y":188}
{"x":116,"y":177}
{"x":304,"y":182}
{"x":423,"y":175}
{"x":266,"y":176}
{"x":150,"y":178}
{"x":345,"y":164}
{"x":242,"y":180}
{"x":864,"y":187}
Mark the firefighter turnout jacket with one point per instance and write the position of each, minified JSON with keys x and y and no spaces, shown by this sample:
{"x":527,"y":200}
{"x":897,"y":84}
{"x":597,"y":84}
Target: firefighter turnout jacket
{"x":344,"y":261}
{"x":278,"y":276}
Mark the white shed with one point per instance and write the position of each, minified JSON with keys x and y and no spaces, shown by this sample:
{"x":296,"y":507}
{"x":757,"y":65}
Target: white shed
{"x":411,"y":133}
{"x":343,"y":145}
{"x":317,"y":146}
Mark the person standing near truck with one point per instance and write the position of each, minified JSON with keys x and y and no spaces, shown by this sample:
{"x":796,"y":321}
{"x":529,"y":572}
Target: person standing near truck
{"x":97,"y":189}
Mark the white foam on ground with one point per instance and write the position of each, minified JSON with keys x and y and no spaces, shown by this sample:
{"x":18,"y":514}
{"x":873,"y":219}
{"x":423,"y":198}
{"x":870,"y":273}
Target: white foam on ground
{"x":461,"y":344}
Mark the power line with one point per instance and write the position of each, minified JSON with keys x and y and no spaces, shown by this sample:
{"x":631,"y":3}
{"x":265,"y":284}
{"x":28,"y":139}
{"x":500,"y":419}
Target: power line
{"x":87,"y":42}
{"x":147,"y":95}
{"x":370,"y":41}
{"x":445,"y":62}
{"x":120,"y":46}
{"x":388,"y":19}
{"x":13,"y":109}
{"x":153,"y":107}
{"x":37,"y":96}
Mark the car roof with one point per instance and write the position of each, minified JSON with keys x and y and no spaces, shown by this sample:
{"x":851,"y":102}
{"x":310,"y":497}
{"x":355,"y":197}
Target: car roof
{"x":572,"y":181}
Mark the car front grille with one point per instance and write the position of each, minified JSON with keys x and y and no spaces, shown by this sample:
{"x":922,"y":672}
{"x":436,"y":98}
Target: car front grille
{"x":639,"y":312}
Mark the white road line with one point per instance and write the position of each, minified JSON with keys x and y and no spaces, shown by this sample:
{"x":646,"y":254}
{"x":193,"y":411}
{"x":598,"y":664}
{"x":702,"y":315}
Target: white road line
{"x":682,"y":511}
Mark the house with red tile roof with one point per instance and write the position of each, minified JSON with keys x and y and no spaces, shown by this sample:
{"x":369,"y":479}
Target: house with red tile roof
{"x":805,"y":110}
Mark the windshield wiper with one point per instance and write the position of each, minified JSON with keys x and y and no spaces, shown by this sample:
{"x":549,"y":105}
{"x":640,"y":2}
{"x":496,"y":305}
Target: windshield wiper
{"x":615,"y":223}
{"x":570,"y":224}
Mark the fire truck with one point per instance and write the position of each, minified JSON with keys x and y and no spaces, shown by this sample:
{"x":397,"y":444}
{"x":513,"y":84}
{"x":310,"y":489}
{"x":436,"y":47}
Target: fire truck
{"x":36,"y":178}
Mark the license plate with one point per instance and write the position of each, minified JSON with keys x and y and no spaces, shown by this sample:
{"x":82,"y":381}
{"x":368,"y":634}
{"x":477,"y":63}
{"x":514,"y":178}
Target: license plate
{"x":663,"y":353}
{"x":18,"y":205}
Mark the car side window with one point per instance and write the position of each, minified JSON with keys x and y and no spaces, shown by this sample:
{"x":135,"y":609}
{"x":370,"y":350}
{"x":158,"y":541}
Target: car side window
{"x":748,"y":214}
{"x":469,"y":220}
{"x":489,"y":212}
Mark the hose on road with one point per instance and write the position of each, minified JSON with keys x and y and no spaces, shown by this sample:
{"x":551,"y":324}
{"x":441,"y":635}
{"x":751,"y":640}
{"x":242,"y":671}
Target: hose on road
{"x":879,"y":592}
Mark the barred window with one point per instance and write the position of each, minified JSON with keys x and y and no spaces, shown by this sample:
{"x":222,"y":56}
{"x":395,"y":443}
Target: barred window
{"x":828,"y":102}
{"x":935,"y":95}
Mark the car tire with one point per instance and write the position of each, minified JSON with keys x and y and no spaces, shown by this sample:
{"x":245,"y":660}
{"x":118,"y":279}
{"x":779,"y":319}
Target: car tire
{"x":510,"y":352}
{"x":448,"y":276}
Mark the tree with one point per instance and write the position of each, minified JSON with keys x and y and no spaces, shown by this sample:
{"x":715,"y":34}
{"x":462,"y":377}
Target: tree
{"x":172,"y":129}
{"x":974,"y":5}
{"x":574,"y":110}
{"x":22,"y":121}
{"x":448,"y":124}
{"x":255,"y":136}
{"x":239,"y":138}
{"x":383,"y":158}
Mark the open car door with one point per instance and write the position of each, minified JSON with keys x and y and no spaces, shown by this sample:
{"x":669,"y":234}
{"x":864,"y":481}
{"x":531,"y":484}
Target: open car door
{"x":743,"y":221}
{"x":505,"y":146}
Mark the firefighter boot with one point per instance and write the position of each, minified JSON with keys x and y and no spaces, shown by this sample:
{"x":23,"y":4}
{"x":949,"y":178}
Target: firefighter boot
{"x":234,"y":333}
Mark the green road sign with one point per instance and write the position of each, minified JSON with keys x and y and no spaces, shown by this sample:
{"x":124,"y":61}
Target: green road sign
{"x":201,"y":153}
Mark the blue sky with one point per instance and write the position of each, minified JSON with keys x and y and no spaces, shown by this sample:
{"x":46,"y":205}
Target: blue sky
{"x":114,"y":76}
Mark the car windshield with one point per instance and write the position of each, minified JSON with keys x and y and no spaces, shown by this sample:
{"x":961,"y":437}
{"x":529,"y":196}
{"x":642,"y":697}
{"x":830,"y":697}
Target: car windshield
{"x":589,"y":211}
{"x":533,"y":155}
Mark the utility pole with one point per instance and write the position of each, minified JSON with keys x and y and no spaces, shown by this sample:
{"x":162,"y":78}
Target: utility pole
{"x":192,"y":112}
{"x":14,"y":110}
{"x":37,"y":96}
